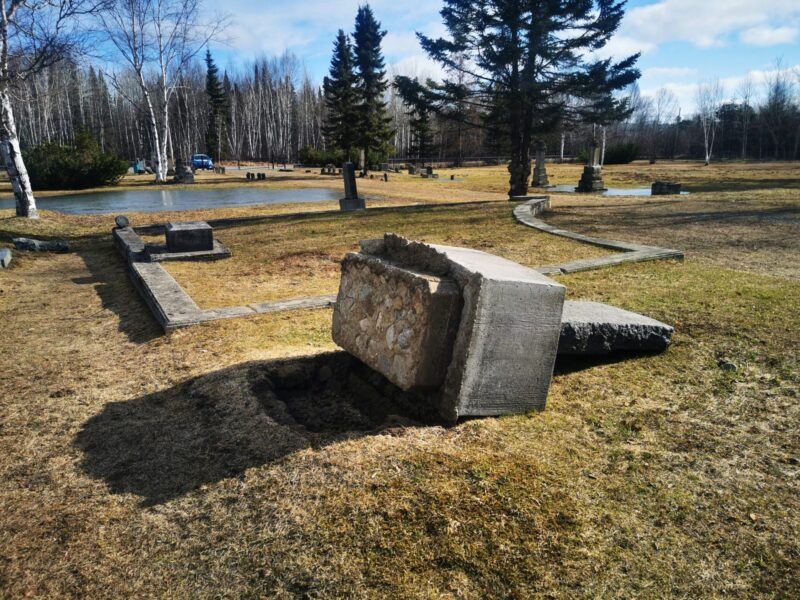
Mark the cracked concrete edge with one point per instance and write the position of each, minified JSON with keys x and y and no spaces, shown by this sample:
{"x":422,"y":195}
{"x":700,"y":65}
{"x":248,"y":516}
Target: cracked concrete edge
{"x":172,"y":307}
{"x":526,"y":212}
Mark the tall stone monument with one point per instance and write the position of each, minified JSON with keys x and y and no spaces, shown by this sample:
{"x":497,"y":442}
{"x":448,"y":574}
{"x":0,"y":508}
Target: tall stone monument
{"x":592,"y":178}
{"x":540,"y":171}
{"x":351,"y":200}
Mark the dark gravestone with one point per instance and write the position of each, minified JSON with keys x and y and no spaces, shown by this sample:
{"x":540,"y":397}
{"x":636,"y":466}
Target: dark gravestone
{"x":665,"y":188}
{"x":189,"y":236}
{"x":351,"y":201}
{"x":540,"y":178}
{"x":386,"y":177}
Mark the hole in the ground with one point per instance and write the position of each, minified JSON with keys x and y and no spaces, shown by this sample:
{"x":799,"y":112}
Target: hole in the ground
{"x":333,"y":393}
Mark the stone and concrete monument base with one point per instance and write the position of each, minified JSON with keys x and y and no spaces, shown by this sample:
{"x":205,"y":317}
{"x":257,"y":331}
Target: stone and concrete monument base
{"x":478,"y":334}
{"x":497,"y":360}
{"x":591,"y":180}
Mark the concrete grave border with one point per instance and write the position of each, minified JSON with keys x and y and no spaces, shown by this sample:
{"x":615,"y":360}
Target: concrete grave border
{"x":531,"y":206}
{"x":173,"y":308}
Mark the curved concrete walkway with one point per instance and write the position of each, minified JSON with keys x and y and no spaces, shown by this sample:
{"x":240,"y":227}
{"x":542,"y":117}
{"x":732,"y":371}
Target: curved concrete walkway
{"x":526,"y":213}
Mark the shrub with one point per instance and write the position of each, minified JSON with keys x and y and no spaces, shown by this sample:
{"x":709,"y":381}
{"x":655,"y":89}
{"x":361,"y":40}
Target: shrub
{"x":621,"y":154}
{"x":83,"y":165}
{"x":618,"y":154}
{"x":314,"y":157}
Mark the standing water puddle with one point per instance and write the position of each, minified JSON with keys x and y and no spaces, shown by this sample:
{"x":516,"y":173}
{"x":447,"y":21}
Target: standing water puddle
{"x":167,"y":200}
{"x":570,"y":189}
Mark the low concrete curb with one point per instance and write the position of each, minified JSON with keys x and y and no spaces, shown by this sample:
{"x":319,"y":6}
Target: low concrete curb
{"x":172,"y":307}
{"x":526,"y":213}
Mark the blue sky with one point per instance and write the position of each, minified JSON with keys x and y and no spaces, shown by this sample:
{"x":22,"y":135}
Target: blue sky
{"x":682,"y":42}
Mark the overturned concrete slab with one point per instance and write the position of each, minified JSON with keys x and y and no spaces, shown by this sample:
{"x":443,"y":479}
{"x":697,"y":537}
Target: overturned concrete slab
{"x":505,"y":347}
{"x":593,"y":328}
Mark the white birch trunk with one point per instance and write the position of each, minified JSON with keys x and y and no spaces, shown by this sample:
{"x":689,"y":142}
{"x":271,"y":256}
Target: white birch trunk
{"x":17,"y":173}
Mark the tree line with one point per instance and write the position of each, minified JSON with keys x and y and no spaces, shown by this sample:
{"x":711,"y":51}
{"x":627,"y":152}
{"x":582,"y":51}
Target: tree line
{"x":516,"y":74}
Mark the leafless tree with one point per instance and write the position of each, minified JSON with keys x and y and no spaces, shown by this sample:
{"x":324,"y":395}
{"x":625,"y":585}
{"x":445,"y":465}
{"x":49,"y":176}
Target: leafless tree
{"x":663,"y":109}
{"x":709,"y":98}
{"x":746,"y":92}
{"x":157,"y":40}
{"x":34,"y":35}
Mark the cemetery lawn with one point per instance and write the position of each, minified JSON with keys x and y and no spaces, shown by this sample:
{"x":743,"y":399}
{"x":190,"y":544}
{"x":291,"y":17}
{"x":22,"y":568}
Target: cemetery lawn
{"x":136,"y":464}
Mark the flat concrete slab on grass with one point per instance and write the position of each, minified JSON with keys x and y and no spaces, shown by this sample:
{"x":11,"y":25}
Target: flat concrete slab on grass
{"x":593,"y":328}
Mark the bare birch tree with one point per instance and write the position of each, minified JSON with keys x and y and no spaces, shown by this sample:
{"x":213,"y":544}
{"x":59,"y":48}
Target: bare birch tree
{"x":34,"y":35}
{"x":157,"y":39}
{"x":709,"y":99}
{"x":746,"y":92}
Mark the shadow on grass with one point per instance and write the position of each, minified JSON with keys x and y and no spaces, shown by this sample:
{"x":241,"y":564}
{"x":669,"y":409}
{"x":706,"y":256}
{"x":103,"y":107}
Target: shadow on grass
{"x":163,"y":445}
{"x":744,"y":185}
{"x":573,"y":364}
{"x":109,"y":276}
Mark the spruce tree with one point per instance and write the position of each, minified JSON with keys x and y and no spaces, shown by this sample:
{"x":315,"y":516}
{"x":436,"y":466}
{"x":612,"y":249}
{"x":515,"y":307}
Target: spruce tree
{"x":373,"y":125}
{"x":525,"y":59}
{"x":341,"y":98}
{"x":216,"y":131}
{"x":419,"y":99}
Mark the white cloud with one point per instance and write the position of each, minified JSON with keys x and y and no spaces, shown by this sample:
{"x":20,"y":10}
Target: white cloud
{"x":686,"y":92}
{"x":417,"y":65}
{"x":669,"y":72}
{"x":769,"y":36}
{"x":705,"y":23}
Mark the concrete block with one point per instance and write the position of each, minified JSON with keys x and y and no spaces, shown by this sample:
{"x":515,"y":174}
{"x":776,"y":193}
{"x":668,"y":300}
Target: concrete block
{"x":41,"y":245}
{"x":665,"y":188}
{"x":593,"y":328}
{"x":348,"y":204}
{"x":189,"y":236}
{"x":5,"y":258}
{"x":400,"y":322}
{"x":504,"y":351}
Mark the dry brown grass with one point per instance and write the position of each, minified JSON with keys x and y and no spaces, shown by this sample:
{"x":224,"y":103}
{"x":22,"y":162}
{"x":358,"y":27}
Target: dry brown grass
{"x":139,"y":465}
{"x":278,"y":258}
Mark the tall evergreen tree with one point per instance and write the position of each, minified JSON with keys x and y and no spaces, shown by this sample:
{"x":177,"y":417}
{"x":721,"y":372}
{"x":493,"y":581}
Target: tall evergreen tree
{"x":216,"y":131}
{"x":341,"y":98}
{"x":526,"y":59}
{"x":373,"y":125}
{"x":419,"y":99}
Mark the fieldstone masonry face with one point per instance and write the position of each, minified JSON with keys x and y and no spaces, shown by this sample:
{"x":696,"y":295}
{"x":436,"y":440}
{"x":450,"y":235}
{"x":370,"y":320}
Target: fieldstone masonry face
{"x":400,"y":322}
{"x":501,"y":358}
